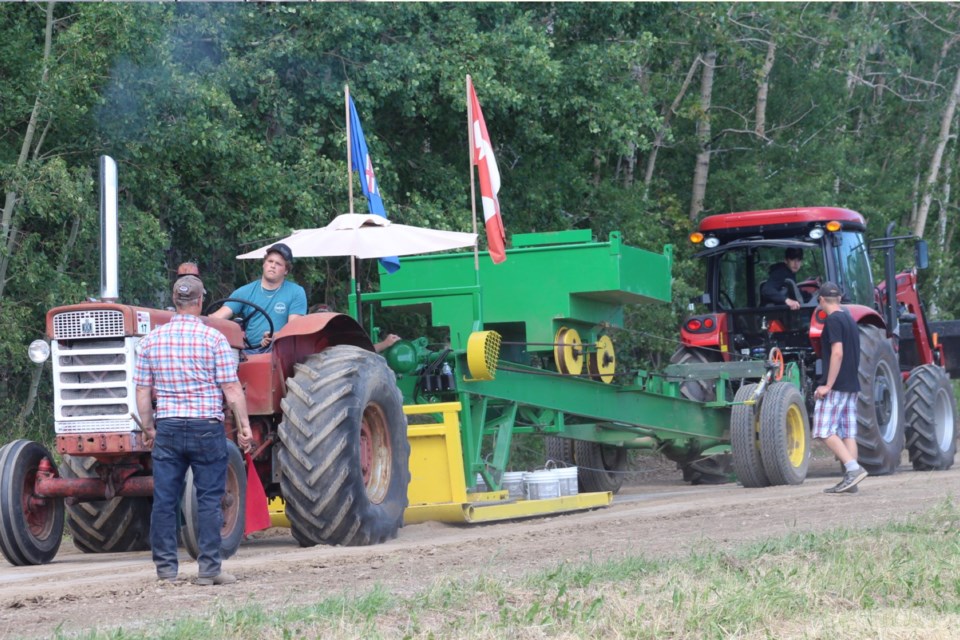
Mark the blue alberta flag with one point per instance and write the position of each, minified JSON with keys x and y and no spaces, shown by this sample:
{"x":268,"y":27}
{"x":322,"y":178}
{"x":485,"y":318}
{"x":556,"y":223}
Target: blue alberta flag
{"x":364,"y":165}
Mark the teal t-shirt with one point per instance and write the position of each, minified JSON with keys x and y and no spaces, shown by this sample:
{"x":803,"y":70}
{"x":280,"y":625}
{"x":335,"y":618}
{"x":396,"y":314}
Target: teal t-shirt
{"x":288,"y":298}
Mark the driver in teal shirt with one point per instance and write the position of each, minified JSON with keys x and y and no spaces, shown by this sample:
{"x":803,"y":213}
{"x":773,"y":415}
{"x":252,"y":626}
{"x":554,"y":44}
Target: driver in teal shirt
{"x":281,"y":299}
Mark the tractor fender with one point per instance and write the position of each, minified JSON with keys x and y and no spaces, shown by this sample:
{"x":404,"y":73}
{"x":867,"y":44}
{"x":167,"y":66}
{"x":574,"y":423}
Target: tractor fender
{"x":862,"y":315}
{"x":264,"y":375}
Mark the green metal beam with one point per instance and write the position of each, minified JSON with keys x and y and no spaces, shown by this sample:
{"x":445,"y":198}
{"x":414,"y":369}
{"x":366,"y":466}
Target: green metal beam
{"x":666,"y":417}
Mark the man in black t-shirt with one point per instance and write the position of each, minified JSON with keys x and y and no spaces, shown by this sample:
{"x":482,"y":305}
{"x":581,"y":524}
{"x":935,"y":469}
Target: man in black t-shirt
{"x":835,"y":414}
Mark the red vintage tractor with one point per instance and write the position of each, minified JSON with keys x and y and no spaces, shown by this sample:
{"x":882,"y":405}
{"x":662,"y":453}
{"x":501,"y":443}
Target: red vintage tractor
{"x":906,"y":399}
{"x":327,"y":417}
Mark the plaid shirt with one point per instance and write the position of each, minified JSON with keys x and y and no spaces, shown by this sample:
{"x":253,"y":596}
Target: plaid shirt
{"x":185,"y":362}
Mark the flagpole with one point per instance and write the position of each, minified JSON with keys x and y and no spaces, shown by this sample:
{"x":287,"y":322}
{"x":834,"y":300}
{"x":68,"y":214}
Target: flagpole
{"x":478,"y":317}
{"x":354,"y":285}
{"x":473,"y":188}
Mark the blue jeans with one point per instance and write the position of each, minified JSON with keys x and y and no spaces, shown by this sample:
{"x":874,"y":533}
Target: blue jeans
{"x":197,"y":444}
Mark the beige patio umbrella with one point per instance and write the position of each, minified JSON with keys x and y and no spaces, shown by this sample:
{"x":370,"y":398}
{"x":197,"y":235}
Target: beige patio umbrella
{"x":364,"y":236}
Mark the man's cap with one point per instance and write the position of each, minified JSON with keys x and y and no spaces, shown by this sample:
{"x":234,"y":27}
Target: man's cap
{"x":189,"y":269}
{"x":187,"y":289}
{"x":794,"y":253}
{"x":830,"y":290}
{"x":283,"y":250}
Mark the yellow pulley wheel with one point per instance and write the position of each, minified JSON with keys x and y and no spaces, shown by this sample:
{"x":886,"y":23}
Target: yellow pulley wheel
{"x":568,"y":352}
{"x":483,"y":351}
{"x":603,"y":362}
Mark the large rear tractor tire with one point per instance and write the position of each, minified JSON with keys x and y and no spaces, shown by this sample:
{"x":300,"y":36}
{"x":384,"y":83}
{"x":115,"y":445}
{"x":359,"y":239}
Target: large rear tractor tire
{"x":106,"y":526}
{"x":31,"y":527}
{"x":745,"y":441}
{"x":880,"y":405}
{"x":344,"y":455}
{"x":698,"y":390}
{"x":234,"y":503}
{"x":784,"y":434}
{"x":712,"y":469}
{"x":715,"y":469}
{"x":931,"y":415}
{"x":600,"y":467}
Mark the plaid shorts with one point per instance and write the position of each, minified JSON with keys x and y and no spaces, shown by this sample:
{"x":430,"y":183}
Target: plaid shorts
{"x":836,"y":414}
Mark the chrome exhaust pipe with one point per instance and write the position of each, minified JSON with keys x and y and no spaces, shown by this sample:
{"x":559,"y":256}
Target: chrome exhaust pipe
{"x":109,"y":232}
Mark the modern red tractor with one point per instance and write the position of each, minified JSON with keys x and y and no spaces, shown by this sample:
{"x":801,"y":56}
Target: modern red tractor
{"x":327,"y":418}
{"x":906,"y":397}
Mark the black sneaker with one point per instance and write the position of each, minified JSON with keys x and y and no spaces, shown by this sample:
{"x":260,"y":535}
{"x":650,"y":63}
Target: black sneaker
{"x":851,"y":479}
{"x":833,"y":490}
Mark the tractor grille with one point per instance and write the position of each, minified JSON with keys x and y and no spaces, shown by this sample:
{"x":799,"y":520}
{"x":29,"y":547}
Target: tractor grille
{"x":103,"y":323}
{"x":93,"y":383}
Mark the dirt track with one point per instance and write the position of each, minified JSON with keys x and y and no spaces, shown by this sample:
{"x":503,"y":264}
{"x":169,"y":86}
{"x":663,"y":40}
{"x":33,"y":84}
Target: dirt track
{"x":659,"y":517}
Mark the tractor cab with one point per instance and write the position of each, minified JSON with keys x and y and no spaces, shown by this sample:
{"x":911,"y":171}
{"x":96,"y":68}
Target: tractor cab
{"x":749,"y":279}
{"x":743,"y":284}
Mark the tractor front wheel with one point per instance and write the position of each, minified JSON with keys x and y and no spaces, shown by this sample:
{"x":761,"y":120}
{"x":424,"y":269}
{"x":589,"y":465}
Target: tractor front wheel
{"x":880,"y":406}
{"x":234,"y":504}
{"x":344,"y":454}
{"x":106,"y":526}
{"x":31,"y":527}
{"x":931,"y":419}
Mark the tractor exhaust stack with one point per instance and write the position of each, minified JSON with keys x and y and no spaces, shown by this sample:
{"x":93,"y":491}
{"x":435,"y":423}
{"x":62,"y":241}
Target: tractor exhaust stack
{"x":109,"y":231}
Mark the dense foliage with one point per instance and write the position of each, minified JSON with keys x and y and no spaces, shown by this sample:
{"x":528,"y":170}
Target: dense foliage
{"x":227,"y":121}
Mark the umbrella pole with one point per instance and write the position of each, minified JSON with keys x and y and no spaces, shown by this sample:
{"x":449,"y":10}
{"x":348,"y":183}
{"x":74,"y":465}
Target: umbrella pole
{"x":355,"y":287}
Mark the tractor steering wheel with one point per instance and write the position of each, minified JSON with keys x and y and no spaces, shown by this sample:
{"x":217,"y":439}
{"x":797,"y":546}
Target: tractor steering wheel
{"x":724,"y":296}
{"x":797,"y":294}
{"x":241,"y":319}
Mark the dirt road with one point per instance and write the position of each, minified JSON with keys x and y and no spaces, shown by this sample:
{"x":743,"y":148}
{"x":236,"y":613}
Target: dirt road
{"x":656,"y":518}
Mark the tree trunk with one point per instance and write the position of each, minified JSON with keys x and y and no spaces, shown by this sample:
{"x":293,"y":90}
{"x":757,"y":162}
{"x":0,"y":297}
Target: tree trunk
{"x":8,"y":228}
{"x":702,"y":168}
{"x":946,"y":122}
{"x":665,"y":126}
{"x":764,"y":89}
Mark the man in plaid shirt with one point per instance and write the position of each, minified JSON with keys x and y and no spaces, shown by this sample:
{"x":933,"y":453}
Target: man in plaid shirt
{"x":191,"y":368}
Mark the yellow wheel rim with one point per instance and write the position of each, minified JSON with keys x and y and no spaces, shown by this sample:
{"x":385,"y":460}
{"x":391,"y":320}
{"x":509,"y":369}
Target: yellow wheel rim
{"x":568,"y":352}
{"x":603,"y":363}
{"x":796,"y":436}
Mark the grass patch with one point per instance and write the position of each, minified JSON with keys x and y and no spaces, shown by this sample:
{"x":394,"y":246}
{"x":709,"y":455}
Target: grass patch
{"x":901,"y":580}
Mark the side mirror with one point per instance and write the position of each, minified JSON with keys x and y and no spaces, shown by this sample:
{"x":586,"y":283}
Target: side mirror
{"x":703,"y":298}
{"x":921,"y":255}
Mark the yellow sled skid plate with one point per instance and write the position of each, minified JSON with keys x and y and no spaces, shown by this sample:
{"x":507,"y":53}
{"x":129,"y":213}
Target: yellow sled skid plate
{"x":471,"y":512}
{"x":438,"y":488}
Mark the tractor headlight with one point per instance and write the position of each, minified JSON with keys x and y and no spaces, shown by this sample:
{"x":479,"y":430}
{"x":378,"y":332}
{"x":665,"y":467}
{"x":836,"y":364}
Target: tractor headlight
{"x":38,"y":351}
{"x":711,"y":242}
{"x":816,"y":233}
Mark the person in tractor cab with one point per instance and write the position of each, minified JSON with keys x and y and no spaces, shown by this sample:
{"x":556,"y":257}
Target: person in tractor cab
{"x":190,"y":368}
{"x":835,"y":413}
{"x":283,"y":300}
{"x":776,"y":290}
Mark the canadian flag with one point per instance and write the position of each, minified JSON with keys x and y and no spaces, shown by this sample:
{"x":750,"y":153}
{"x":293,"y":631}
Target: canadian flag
{"x":489,"y":180}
